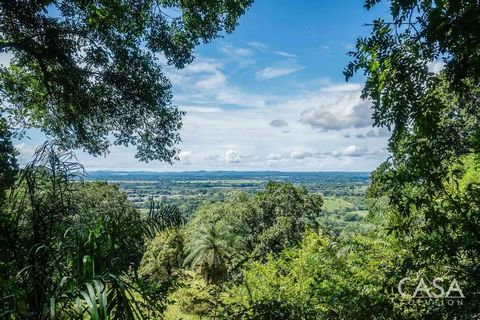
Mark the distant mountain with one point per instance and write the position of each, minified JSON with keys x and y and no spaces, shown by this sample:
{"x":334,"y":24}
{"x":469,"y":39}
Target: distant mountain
{"x":228,"y":175}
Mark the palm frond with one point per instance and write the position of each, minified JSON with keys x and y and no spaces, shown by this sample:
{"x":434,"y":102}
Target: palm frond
{"x":160,"y":218}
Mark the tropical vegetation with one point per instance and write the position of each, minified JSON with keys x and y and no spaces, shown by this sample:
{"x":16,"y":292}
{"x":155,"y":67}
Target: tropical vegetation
{"x":87,"y":74}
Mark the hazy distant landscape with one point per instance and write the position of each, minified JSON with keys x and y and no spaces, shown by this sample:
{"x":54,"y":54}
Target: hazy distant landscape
{"x":343,"y":192}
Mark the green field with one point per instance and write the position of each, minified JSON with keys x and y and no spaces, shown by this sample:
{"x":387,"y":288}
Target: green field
{"x":227,"y":181}
{"x":361,"y":213}
{"x":333,"y":203}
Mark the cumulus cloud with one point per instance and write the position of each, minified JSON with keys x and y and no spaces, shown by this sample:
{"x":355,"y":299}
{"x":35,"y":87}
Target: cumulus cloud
{"x":213,"y":157}
{"x":351,"y":151}
{"x":354,"y":151}
{"x":204,"y":74}
{"x":301,"y":154}
{"x":233,"y":156}
{"x":358,"y":116}
{"x":278,"y":123}
{"x":270,"y":73}
{"x":378,"y":133}
{"x":284,"y":54}
{"x":227,"y":137}
{"x":228,"y":125}
{"x":298,"y":154}
{"x":275,"y":156}
{"x":185,"y":157}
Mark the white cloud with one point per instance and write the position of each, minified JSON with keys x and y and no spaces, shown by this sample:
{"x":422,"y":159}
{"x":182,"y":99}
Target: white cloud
{"x":237,"y":57}
{"x":26,"y":152}
{"x":213,"y":81}
{"x":205,"y":84}
{"x":374,"y":133}
{"x":344,"y":87}
{"x":238,"y":52}
{"x":284,"y":54}
{"x":228,"y":126}
{"x":271,"y":72}
{"x":351,"y":151}
{"x":302,"y":154}
{"x":242,"y":136}
{"x":185,"y":157}
{"x":257,"y":45}
{"x":199,"y":70}
{"x":328,"y":117}
{"x":202,"y":66}
{"x":213,"y":157}
{"x":354,"y":151}
{"x":435,"y":66}
{"x":232,"y":156}
{"x":5,"y":59}
{"x":275,"y":156}
{"x":278,"y":123}
{"x":201,"y":109}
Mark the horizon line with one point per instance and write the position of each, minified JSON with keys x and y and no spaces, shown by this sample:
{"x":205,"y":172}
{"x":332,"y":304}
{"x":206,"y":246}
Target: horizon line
{"x":238,"y":171}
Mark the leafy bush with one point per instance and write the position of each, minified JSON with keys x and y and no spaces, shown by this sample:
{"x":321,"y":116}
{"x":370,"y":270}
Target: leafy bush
{"x":164,"y":256}
{"x":196,"y":298}
{"x":323,"y":278}
{"x":64,"y":239}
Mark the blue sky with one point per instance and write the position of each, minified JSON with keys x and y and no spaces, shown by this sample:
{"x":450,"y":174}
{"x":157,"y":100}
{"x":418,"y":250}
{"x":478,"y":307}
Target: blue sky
{"x":270,"y":96}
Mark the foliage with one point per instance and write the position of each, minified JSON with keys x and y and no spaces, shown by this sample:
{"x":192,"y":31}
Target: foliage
{"x":70,"y":245}
{"x":285,"y":211}
{"x":209,"y":250}
{"x":431,"y":180}
{"x":89,"y":75}
{"x":196,"y":297}
{"x":222,"y":236}
{"x":270,"y":221}
{"x":324,"y":278}
{"x":8,"y":163}
{"x":84,"y":71}
{"x":164,"y":256}
{"x":439,"y":232}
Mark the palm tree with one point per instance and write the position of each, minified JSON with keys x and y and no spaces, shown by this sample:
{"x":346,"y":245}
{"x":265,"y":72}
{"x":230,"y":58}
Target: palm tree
{"x":209,"y":250}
